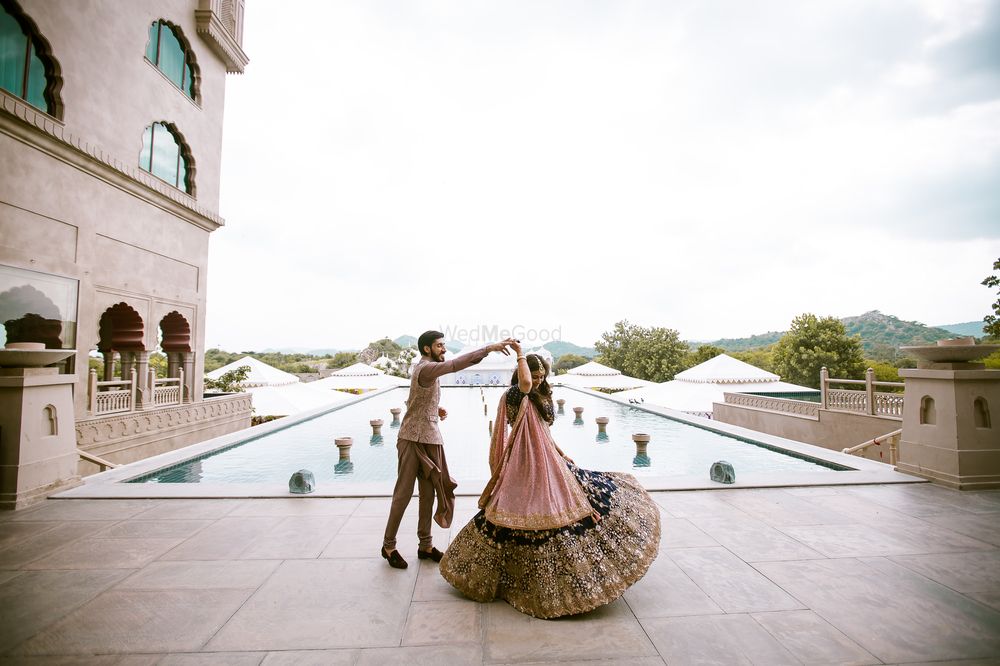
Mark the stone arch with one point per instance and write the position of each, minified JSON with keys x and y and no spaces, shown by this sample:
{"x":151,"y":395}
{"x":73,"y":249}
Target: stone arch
{"x":50,"y":421}
{"x":43,"y":51}
{"x":190,"y":61}
{"x":175,"y":333}
{"x":981,"y":412}
{"x":28,"y":315}
{"x":121,"y":329}
{"x":928,"y":413}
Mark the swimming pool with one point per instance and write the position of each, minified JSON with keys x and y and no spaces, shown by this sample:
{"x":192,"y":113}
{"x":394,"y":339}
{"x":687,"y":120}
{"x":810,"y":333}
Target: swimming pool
{"x":676,"y":449}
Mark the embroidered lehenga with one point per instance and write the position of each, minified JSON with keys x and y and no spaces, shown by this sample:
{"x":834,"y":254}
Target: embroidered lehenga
{"x":551,"y":539}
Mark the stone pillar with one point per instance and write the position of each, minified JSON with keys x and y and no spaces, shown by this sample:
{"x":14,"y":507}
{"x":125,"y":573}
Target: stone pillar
{"x":187,"y":360}
{"x":127,"y":363}
{"x":173,"y":364}
{"x":109,"y":365}
{"x":144,"y":390}
{"x":38,"y":456}
{"x":951,"y":419}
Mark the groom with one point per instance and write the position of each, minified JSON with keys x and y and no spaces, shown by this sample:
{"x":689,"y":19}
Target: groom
{"x":420,"y":447}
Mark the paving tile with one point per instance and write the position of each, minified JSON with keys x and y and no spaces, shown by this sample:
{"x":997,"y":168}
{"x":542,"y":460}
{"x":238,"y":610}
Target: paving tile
{"x":604,"y":633}
{"x":893,"y":613}
{"x":927,"y":499}
{"x":629,"y":661}
{"x":15,"y":532}
{"x":975,"y":575}
{"x":864,"y":510}
{"x":421,"y":656}
{"x":355,"y":546}
{"x":864,"y":540}
{"x":752,"y":540}
{"x":319,"y":604}
{"x":225,"y":539}
{"x":40,"y":545}
{"x":35,"y":599}
{"x":777,"y":508}
{"x":443,"y":622}
{"x":202,"y":574}
{"x":7,"y":575}
{"x":77,"y":510}
{"x":812,"y":640}
{"x":311,"y":658}
{"x":299,"y":506}
{"x":981,"y":526}
{"x":213,"y":659}
{"x":66,"y":660}
{"x":137,"y":659}
{"x":431,"y":585}
{"x":730,"y":582}
{"x":716,"y":639}
{"x":152,"y":528}
{"x":165,"y":621}
{"x":682,"y":533}
{"x":94,"y":553}
{"x":190,"y":509}
{"x":687,"y":504}
{"x":379,"y":506}
{"x":295,"y":537}
{"x":667,"y":591}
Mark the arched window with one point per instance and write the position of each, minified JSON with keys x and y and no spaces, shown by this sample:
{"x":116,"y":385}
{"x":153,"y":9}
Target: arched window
{"x":928,"y":414}
{"x":981,"y":413}
{"x":27,"y":68}
{"x":169,"y":51}
{"x":165,"y":155}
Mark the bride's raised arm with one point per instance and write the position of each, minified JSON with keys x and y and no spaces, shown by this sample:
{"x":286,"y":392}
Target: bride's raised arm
{"x":523,"y":372}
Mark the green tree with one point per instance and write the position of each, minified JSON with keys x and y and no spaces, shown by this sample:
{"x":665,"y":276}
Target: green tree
{"x":813,"y":343}
{"x":702,"y":354}
{"x":568,"y":362}
{"x":230,"y":381}
{"x":342,"y":360}
{"x":884,"y":372}
{"x":655,"y":354}
{"x":992,"y":321}
{"x":762,"y":358}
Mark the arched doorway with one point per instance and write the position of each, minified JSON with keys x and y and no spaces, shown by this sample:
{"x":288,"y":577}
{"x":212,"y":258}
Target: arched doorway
{"x":175,"y":342}
{"x":121,"y":331}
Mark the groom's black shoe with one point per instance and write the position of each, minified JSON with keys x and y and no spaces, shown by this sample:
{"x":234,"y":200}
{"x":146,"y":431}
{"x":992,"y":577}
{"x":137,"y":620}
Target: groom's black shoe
{"x":396,"y":560}
{"x":432,"y":554}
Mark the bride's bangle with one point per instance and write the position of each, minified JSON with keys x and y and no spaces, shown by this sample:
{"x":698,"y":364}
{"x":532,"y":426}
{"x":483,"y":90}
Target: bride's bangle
{"x":521,"y":358}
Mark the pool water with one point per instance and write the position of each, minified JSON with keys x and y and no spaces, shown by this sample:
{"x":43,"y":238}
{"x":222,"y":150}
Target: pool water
{"x":675,"y":448}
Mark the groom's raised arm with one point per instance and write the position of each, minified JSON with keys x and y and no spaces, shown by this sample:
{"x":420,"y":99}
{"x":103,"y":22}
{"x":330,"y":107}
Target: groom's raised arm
{"x":434,"y":370}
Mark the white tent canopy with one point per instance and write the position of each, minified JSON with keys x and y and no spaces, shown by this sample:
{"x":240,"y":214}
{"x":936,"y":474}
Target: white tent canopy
{"x":261,"y":374}
{"x":696,"y":389}
{"x":595,"y":375}
{"x":292,"y":399}
{"x":360,"y":377}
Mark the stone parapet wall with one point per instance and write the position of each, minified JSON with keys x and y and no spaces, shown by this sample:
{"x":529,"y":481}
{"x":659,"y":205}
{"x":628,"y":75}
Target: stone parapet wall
{"x":807,"y":422}
{"x":125,"y":438}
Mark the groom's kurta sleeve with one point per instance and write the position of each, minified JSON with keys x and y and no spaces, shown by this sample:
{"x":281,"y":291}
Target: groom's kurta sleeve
{"x":434,"y":370}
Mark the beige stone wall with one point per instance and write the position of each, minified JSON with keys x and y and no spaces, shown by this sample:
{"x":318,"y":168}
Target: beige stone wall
{"x":125,"y":438}
{"x":73,"y":202}
{"x":111,"y":92}
{"x":829,"y":429}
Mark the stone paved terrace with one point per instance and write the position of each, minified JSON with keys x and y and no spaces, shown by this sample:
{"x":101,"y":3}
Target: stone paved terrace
{"x":831,"y":575}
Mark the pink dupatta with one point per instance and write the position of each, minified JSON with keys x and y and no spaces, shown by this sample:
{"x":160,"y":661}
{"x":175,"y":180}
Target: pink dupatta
{"x":531,"y":488}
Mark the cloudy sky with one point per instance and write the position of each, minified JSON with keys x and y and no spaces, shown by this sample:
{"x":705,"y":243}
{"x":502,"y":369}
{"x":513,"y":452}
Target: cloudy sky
{"x":717,"y":167}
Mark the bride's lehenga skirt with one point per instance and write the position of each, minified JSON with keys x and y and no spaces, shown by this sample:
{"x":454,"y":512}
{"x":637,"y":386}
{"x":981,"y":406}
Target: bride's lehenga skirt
{"x":562,"y":571}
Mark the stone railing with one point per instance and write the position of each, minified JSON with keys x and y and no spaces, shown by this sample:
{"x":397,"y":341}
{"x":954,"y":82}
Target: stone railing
{"x":783,"y":405}
{"x":168,"y":391}
{"x":892,"y":439}
{"x":110,"y":397}
{"x":862,"y":401}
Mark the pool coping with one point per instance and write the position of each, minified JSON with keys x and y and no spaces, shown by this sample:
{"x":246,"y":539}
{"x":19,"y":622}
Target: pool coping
{"x":111,"y":484}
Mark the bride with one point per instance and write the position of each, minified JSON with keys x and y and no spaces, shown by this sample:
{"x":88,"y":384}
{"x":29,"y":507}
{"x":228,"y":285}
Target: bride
{"x":552,"y":539}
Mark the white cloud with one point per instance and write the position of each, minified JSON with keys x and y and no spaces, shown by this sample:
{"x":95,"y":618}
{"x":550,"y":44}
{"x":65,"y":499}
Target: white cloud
{"x":714,"y":167}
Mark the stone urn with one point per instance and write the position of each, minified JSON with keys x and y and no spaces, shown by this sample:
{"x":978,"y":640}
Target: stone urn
{"x":561,"y":403}
{"x":344,"y":445}
{"x":641,"y":439}
{"x":395,"y":411}
{"x":602,"y":428}
{"x":579,"y":416}
{"x":376,"y":425}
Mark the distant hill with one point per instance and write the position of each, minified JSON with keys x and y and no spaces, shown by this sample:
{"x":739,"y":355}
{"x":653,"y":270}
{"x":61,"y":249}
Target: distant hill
{"x":405,"y":341}
{"x":560,"y":348}
{"x":753,"y":342}
{"x":968,"y":328}
{"x":875,"y":329}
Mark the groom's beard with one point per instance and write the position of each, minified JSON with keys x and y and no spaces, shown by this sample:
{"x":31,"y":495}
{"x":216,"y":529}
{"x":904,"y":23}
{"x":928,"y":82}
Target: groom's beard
{"x":437,"y":358}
